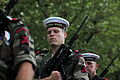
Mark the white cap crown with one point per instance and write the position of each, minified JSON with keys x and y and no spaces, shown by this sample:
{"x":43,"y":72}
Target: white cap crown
{"x":56,"y":22}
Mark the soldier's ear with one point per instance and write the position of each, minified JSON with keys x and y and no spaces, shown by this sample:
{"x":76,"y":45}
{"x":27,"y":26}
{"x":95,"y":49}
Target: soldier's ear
{"x":97,"y":65}
{"x":65,"y":34}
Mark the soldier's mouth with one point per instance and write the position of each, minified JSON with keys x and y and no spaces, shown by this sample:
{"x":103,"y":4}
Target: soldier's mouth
{"x":52,"y":39}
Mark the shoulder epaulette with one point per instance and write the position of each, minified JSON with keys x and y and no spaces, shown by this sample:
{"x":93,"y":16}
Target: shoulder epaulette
{"x":14,"y":20}
{"x":40,"y":52}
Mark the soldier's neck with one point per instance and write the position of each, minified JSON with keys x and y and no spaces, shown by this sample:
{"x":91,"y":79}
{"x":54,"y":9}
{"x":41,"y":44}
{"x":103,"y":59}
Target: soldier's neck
{"x":54,"y":49}
{"x":92,"y":75}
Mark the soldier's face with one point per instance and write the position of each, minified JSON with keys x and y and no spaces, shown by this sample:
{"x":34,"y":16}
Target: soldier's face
{"x":56,"y":36}
{"x":91,"y":67}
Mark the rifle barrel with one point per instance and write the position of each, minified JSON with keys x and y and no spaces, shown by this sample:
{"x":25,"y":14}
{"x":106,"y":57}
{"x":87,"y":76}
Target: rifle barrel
{"x":83,"y":22}
{"x":10,"y":5}
{"x":107,"y":68}
{"x":112,"y":61}
{"x":75,"y":36}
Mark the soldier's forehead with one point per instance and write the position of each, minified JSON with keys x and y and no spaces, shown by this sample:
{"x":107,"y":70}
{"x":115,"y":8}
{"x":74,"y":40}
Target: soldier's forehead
{"x":54,"y":28}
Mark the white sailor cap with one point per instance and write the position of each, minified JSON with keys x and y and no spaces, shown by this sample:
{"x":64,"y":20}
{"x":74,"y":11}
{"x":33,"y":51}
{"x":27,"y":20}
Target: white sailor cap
{"x":90,"y":56}
{"x":56,"y":22}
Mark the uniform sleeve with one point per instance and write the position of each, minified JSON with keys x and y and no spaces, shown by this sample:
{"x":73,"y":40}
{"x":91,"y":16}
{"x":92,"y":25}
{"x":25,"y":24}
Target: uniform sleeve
{"x":23,"y":44}
{"x":3,"y":70}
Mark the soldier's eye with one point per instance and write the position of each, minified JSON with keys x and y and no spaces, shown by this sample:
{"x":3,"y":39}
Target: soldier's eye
{"x":89,"y":63}
{"x":48,"y":32}
{"x":56,"y":31}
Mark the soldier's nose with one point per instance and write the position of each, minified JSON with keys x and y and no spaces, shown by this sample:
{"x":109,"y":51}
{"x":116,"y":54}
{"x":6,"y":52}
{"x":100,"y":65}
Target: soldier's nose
{"x":52,"y":33}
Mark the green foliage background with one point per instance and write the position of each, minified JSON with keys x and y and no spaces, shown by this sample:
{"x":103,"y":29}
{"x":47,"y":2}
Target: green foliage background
{"x":101,"y":33}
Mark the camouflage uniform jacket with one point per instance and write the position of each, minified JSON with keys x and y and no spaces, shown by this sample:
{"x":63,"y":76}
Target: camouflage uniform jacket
{"x":79,"y":70}
{"x":18,"y":49}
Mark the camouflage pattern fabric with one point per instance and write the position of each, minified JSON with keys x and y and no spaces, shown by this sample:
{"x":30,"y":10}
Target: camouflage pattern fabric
{"x":3,"y":68}
{"x":19,"y":49}
{"x":79,"y":72}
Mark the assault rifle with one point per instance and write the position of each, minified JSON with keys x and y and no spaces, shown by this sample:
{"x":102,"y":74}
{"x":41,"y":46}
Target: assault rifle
{"x":4,"y":18}
{"x":61,"y":55}
{"x":105,"y":71}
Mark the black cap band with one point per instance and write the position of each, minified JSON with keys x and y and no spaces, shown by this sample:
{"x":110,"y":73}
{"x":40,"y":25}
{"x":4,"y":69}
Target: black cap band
{"x":90,"y":59}
{"x":60,"y":25}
